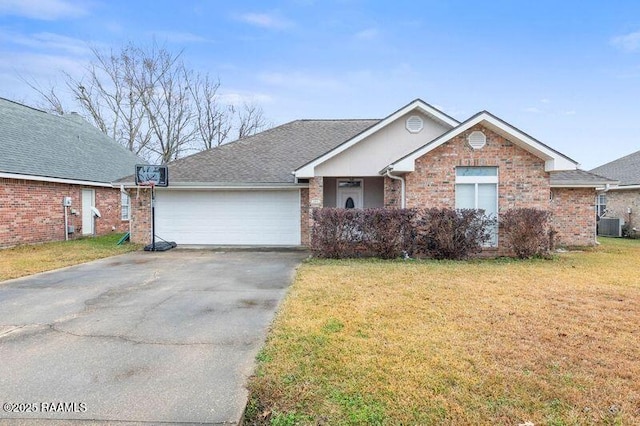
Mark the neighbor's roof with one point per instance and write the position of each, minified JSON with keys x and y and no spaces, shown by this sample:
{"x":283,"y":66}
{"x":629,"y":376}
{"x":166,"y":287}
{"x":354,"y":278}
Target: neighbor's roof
{"x":267,"y":157}
{"x":625,"y":169}
{"x":579,"y":178}
{"x":37,"y":143}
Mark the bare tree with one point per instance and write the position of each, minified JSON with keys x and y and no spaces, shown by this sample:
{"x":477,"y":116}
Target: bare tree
{"x":50,"y":100}
{"x":150,"y":102}
{"x":213,"y":119}
{"x":250,"y":120}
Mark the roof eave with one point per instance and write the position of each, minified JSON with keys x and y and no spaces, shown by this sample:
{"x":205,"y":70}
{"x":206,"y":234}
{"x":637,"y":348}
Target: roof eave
{"x":225,"y":185}
{"x":19,"y":176}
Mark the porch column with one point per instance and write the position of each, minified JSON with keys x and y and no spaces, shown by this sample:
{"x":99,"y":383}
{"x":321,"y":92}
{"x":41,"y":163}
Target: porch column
{"x":316,"y":199}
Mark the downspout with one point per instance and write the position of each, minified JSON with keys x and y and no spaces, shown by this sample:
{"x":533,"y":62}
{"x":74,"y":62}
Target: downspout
{"x":402,"y":186}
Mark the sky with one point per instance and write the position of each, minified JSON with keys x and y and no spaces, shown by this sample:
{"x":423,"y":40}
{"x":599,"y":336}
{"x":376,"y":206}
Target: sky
{"x":565,"y":72}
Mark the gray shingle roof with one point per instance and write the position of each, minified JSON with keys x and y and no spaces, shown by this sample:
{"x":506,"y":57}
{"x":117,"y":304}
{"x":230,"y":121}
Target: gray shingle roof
{"x":578,"y":177}
{"x":267,"y":157}
{"x":33,"y":142}
{"x":625,"y":169}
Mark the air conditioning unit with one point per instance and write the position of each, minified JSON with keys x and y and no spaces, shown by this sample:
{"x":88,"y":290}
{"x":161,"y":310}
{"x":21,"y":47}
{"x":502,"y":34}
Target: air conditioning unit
{"x":610,"y":227}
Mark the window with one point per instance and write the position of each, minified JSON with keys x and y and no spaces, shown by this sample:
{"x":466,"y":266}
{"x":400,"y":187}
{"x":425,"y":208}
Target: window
{"x":125,"y":202}
{"x":601,"y":205}
{"x":477,"y":188}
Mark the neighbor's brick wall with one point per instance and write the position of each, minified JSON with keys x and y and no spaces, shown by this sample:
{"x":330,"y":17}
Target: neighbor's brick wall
{"x":140,"y":215}
{"x":574,"y":216}
{"x":32,"y":211}
{"x":618,"y":203}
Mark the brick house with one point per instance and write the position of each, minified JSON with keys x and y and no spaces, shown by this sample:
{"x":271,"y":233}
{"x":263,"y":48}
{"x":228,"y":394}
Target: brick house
{"x":48,"y":158}
{"x":621,"y":201}
{"x":261,"y":190}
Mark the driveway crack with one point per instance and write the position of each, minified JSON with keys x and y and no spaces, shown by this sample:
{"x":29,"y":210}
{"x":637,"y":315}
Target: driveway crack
{"x":128,"y":339}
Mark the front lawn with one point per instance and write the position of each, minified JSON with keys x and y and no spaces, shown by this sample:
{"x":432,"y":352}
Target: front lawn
{"x":550,"y":342}
{"x":30,"y":259}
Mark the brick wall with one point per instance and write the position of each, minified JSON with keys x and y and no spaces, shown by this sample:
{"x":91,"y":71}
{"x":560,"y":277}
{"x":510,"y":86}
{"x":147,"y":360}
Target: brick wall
{"x":140,"y":215}
{"x":522,"y":183}
{"x":32,"y":211}
{"x":574,"y":216}
{"x":618,"y":203}
{"x":392,"y":193}
{"x":305,"y":231}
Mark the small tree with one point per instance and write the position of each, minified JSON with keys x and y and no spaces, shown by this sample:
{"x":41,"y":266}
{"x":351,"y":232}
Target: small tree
{"x":527,"y":231}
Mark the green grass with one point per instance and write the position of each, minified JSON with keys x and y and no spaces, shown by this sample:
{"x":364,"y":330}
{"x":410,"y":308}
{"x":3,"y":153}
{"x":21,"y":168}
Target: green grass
{"x":30,"y":259}
{"x":553,"y":342}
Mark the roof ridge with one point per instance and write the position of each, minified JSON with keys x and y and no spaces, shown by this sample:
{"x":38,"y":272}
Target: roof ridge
{"x":337,"y":119}
{"x":624,"y":157}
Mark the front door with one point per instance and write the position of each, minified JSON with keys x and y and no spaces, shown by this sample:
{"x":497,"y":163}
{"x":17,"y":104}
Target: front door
{"x":88,"y":201}
{"x":349,"y":194}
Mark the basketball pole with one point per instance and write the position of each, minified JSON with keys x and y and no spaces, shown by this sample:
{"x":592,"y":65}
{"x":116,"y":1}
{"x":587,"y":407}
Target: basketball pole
{"x":153,"y":218}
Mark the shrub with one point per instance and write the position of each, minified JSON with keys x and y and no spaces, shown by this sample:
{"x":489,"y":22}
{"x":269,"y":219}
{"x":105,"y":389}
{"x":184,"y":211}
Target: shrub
{"x":452,"y":234}
{"x":387,"y":233}
{"x":527,"y":231}
{"x":340,"y":233}
{"x":336,"y":232}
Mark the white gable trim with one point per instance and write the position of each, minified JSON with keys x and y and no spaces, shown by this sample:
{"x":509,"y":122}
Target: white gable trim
{"x":308,"y":170}
{"x":554,"y":161}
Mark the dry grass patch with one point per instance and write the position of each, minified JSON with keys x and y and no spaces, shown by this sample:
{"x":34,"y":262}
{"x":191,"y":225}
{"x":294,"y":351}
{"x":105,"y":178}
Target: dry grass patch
{"x":30,"y":259}
{"x":478,"y":342}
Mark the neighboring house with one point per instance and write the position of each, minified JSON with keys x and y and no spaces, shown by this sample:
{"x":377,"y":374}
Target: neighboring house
{"x":261,"y":190}
{"x":45,"y":158}
{"x":621,"y":201}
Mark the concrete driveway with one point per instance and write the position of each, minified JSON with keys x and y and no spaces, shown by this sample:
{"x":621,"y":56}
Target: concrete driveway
{"x":142,"y":337}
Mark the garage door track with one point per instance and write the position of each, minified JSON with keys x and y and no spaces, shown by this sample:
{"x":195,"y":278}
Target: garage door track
{"x":142,"y":337}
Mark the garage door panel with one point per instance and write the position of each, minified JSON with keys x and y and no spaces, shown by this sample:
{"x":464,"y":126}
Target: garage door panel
{"x":229,"y":217}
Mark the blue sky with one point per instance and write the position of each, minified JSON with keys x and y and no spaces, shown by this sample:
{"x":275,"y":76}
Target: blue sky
{"x":566,"y":72}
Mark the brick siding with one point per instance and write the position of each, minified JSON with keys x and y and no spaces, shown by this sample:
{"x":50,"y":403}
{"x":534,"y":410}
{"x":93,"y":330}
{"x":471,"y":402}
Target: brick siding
{"x":620,"y":201}
{"x":140,"y":215}
{"x":574,"y":216}
{"x":32,"y":211}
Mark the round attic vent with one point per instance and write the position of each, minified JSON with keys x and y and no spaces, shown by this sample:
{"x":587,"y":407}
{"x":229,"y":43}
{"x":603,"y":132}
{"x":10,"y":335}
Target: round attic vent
{"x":477,"y":139}
{"x":414,"y":124}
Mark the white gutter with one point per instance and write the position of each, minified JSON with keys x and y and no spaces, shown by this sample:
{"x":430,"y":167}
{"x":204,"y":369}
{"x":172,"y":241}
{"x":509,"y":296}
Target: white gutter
{"x":54,"y":180}
{"x":623,"y":187}
{"x":402,"y":190}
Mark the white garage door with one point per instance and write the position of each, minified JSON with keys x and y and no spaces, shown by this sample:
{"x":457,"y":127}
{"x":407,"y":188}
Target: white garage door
{"x":229,"y":217}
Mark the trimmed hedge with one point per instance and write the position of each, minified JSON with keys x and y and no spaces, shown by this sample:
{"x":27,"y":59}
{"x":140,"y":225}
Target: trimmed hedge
{"x":391,"y":233}
{"x":452,"y":234}
{"x":340,"y":233}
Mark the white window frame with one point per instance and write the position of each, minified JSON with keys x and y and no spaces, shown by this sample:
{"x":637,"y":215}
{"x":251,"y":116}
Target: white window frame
{"x":601,"y":208}
{"x":125,"y":196}
{"x":477,"y":180}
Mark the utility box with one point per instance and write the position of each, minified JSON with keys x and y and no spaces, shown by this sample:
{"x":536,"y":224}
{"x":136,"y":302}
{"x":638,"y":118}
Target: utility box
{"x":66,"y":201}
{"x":71,"y":229}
